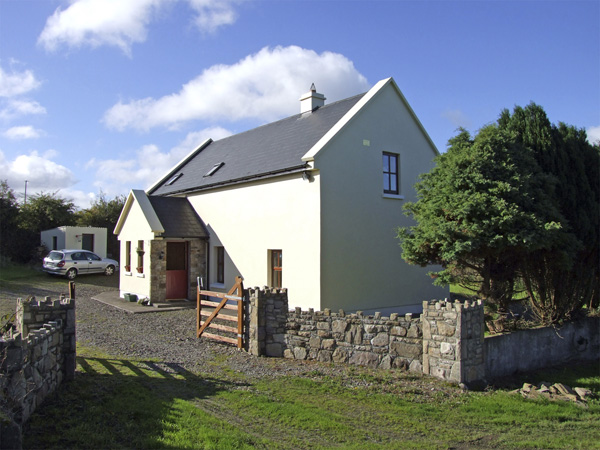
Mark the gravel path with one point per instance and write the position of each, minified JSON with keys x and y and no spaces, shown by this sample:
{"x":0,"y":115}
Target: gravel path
{"x":169,"y":337}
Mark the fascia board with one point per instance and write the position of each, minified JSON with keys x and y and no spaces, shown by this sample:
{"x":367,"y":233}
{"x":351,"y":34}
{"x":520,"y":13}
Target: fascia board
{"x":416,"y":119}
{"x":178,"y":166}
{"x":310,"y":155}
{"x":141,"y":198}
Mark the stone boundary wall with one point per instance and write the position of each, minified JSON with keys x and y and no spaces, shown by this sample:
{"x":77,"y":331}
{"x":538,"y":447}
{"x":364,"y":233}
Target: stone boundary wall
{"x":35,"y":360}
{"x":447,"y":341}
{"x":372,"y":341}
{"x":526,"y":350}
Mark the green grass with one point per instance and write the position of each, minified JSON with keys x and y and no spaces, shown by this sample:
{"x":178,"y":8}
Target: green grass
{"x":128,"y":403}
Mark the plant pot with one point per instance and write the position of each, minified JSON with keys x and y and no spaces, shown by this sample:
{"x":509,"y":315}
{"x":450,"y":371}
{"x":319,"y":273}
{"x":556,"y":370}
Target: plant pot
{"x":127,"y":268}
{"x":140,"y":270}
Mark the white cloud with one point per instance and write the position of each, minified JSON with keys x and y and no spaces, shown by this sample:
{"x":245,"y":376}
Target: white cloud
{"x":122,"y":23}
{"x":212,"y":14}
{"x":17,"y":108}
{"x":147,"y":165}
{"x":22,"y":132}
{"x":593,"y":134}
{"x":457,"y":118}
{"x":265,"y":86}
{"x":42,"y":173}
{"x":17,"y":83}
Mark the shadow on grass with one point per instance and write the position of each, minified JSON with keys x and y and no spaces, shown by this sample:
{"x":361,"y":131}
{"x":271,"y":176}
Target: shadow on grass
{"x":119,"y":403}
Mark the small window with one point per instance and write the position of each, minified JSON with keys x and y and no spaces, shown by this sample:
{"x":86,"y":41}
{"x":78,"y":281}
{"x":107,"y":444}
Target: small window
{"x":214,"y":169}
{"x":174,"y":179}
{"x":220,"y":253}
{"x":276,"y":268}
{"x":54,"y":242}
{"x":128,"y":256}
{"x":390,"y":173}
{"x":140,"y":259}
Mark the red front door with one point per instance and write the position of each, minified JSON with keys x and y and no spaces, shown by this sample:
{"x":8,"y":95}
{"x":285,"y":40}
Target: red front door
{"x":177,"y":279}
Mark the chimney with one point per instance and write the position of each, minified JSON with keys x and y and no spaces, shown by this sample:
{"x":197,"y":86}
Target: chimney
{"x":311,"y":100}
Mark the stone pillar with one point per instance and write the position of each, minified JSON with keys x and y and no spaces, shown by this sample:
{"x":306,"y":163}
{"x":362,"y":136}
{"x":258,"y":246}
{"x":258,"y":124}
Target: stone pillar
{"x":158,"y":270}
{"x":267,"y":319}
{"x":453,"y":341}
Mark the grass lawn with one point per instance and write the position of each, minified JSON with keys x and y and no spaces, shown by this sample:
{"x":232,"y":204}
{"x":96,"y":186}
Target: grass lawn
{"x":127,"y":403}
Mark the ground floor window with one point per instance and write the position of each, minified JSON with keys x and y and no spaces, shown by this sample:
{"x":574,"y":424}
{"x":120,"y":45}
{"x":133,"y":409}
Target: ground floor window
{"x":220,"y":258}
{"x":140,"y":259}
{"x":276,"y":268}
{"x":128,"y":256}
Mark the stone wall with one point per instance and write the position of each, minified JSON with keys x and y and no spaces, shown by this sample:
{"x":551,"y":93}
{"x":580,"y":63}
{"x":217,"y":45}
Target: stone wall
{"x":35,"y":360}
{"x":373,"y":341}
{"x":447,"y":341}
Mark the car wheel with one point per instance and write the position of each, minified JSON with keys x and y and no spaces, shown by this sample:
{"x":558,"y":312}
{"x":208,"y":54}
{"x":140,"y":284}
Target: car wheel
{"x":71,"y":274}
{"x":109,"y":270}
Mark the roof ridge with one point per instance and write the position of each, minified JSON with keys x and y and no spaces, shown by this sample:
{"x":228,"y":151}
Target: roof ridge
{"x":298,"y":115}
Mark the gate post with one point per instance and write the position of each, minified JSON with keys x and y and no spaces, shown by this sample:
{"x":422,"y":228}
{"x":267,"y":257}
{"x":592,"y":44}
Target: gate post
{"x":453,"y":341}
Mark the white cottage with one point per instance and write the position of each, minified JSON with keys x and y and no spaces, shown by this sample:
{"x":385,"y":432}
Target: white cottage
{"x":310,"y":203}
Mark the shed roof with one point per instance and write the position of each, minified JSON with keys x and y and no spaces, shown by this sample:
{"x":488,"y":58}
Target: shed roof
{"x":268,"y":150}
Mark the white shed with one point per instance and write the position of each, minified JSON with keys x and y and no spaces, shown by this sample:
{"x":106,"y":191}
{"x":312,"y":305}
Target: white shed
{"x":85,"y":238}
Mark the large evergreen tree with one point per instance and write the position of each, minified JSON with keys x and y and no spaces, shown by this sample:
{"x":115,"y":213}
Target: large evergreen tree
{"x":564,"y":275}
{"x":518,"y":202}
{"x":480,"y":210}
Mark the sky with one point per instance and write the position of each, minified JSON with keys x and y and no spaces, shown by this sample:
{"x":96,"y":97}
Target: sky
{"x":104,"y":96}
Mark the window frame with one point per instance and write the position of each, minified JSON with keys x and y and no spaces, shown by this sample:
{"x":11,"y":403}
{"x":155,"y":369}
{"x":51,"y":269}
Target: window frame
{"x":220,"y":263}
{"x":393,"y":173}
{"x":276,"y":268}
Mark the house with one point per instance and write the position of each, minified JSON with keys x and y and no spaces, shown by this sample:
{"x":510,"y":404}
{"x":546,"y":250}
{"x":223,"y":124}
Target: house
{"x":310,"y":203}
{"x":93,"y":239}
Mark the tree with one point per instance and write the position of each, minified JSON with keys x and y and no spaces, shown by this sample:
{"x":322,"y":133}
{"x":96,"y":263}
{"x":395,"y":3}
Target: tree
{"x":44,"y":211}
{"x":9,"y":212}
{"x":518,"y":202}
{"x":104,"y":213}
{"x":565,"y":275}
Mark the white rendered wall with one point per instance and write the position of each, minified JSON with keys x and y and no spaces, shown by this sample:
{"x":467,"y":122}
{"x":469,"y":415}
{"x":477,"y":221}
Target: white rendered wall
{"x":268,"y":215}
{"x":361,"y":262}
{"x":135,"y":228}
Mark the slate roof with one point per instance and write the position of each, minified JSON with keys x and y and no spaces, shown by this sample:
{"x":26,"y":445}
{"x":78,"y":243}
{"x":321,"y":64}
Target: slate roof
{"x":178,"y":218}
{"x":270,"y":149}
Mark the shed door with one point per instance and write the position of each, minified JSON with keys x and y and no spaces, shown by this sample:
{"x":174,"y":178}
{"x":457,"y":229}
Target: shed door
{"x":177,"y":280}
{"x":87,"y":242}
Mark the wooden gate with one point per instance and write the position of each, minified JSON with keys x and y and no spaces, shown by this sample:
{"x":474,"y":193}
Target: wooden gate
{"x":205,"y":320}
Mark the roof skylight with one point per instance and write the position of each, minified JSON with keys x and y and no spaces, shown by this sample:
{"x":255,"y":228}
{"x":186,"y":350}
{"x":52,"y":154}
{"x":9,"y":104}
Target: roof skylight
{"x":174,"y":179}
{"x":214,"y":169}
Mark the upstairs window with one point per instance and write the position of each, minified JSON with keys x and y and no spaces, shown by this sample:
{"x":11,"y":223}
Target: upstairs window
{"x":391,"y":179}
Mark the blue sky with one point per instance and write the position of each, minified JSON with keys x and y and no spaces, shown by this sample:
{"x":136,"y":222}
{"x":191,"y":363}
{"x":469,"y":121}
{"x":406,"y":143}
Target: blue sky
{"x":107,"y":95}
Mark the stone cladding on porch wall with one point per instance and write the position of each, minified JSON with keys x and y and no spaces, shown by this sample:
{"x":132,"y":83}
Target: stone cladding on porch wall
{"x":372,"y":341}
{"x":453,"y":340}
{"x":35,"y":360}
{"x":158,"y":270}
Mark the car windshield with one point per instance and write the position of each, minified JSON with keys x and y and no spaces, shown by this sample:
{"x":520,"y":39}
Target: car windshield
{"x":55,"y":256}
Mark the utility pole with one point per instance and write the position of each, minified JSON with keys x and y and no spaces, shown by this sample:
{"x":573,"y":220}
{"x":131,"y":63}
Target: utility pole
{"x":25,"y":192}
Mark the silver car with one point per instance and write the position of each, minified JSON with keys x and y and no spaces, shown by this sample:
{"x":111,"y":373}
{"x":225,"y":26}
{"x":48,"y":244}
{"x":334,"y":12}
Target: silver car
{"x":71,"y":263}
